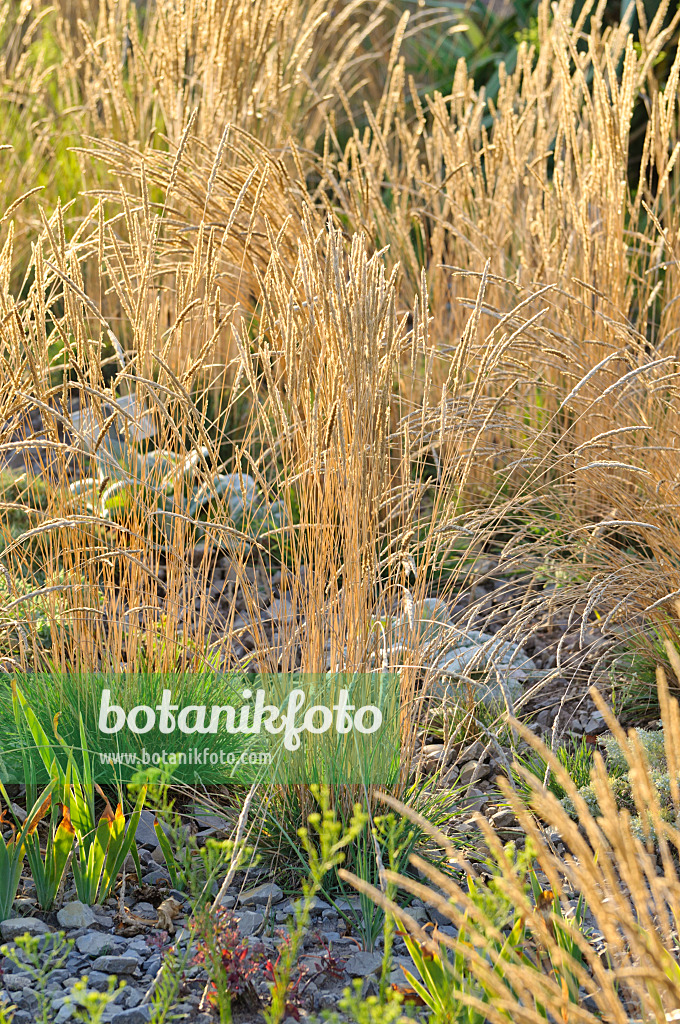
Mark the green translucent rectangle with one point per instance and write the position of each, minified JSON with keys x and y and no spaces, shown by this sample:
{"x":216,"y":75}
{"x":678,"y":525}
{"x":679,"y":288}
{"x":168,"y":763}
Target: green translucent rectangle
{"x":211,"y":729}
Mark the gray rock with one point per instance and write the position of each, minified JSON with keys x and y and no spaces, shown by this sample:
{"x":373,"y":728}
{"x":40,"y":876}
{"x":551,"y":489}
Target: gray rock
{"x":316,"y":906}
{"x":135,"y":1015}
{"x":440,"y":919}
{"x":503,"y":818}
{"x":473,"y":752}
{"x":361,"y":965}
{"x":28,"y":999}
{"x":431,"y":756}
{"x":116,"y":964}
{"x":345,"y":905}
{"x":65,"y":1013}
{"x":249,"y":921}
{"x":467,"y":772}
{"x":15,"y":926}
{"x":132,"y":996}
{"x":146,"y":910}
{"x":261,"y":894}
{"x":103,"y":920}
{"x":475,"y":653}
{"x":146,"y":834}
{"x":370,"y":987}
{"x":211,"y":822}
{"x":158,"y":875}
{"x":15,"y":982}
{"x":138,"y":946}
{"x":474,"y":800}
{"x":419,"y":914}
{"x":282,"y":609}
{"x":397,"y":977}
{"x":95,"y":944}
{"x":76,"y":915}
{"x":152,"y":965}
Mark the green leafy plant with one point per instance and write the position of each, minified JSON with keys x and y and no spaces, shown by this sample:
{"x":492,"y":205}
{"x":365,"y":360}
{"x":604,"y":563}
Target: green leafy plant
{"x":7,"y":1013}
{"x":47,"y":869}
{"x":100,"y":856}
{"x":434,"y":983}
{"x":577,"y":760}
{"x":12,"y":850}
{"x":192,"y":868}
{"x":653,"y":744}
{"x":388,"y":839}
{"x":178,"y":484}
{"x":101,"y":845}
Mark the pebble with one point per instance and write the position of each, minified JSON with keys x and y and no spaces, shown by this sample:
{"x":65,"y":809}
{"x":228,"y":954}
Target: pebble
{"x":103,"y":920}
{"x":95,"y":944}
{"x":116,"y":964}
{"x":317,"y":906}
{"x":13,"y":927}
{"x":503,"y":818}
{"x":75,"y":915}
{"x":97,"y":980}
{"x":438,"y":917}
{"x":146,"y":833}
{"x":361,"y":965}
{"x":152,"y":965}
{"x":249,"y":921}
{"x":473,"y":752}
{"x":135,"y":1015}
{"x":15,"y":982}
{"x":261,"y":894}
{"x":474,"y":800}
{"x":146,"y":910}
{"x":132,"y":996}
{"x":155,"y":876}
{"x":470,"y":769}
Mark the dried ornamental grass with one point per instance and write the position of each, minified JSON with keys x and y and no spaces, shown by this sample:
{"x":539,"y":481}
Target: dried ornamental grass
{"x":630,"y":888}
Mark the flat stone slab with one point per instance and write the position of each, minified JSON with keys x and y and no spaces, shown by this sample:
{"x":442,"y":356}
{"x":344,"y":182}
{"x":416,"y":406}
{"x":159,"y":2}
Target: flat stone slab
{"x":15,"y":926}
{"x":261,"y":894}
{"x":95,"y":944}
{"x":363,"y":965}
{"x":249,"y":921}
{"x":76,"y":915}
{"x":116,"y":964}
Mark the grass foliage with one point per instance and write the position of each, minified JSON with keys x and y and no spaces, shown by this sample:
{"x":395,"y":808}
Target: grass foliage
{"x":280,"y":298}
